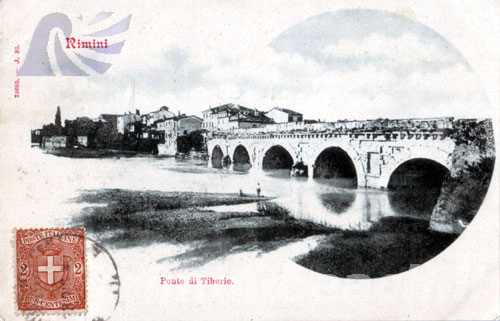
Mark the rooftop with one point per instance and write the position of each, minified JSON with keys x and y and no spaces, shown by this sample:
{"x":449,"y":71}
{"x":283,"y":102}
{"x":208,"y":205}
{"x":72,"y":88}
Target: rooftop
{"x":285,"y":110}
{"x":230,"y":107}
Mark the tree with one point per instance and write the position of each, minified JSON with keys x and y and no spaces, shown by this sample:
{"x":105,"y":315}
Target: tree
{"x":81,"y":126}
{"x":58,"y":118}
{"x":106,"y":136}
{"x":197,"y":140}
{"x":192,"y":141}
{"x":48,"y":130}
{"x":184,"y":144}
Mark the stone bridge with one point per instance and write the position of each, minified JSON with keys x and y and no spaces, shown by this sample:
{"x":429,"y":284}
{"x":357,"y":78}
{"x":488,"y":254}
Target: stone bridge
{"x":370,"y":159}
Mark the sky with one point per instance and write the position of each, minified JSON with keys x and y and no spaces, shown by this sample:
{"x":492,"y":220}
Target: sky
{"x":338,"y":64}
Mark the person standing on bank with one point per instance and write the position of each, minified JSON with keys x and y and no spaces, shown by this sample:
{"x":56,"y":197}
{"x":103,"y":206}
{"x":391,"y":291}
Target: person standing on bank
{"x":258,"y":189}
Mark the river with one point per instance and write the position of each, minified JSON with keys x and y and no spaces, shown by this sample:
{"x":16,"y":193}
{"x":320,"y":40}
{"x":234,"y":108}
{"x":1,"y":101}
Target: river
{"x":319,"y":200}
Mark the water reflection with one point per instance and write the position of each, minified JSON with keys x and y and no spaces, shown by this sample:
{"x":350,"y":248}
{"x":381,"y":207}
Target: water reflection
{"x":340,"y":182}
{"x":414,"y":202}
{"x":338,"y":202}
{"x":241,"y":167}
{"x":333,"y":203}
{"x":366,"y":207}
{"x":280,"y":173}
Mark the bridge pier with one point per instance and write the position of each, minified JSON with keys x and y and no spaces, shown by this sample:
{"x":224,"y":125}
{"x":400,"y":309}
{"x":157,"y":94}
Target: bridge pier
{"x":310,"y":172}
{"x":256,"y":170}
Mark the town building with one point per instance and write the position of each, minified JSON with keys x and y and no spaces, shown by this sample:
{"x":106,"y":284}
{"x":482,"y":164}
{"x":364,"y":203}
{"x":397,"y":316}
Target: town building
{"x":284,"y":115}
{"x":173,"y":128}
{"x":54,"y":142}
{"x":127,"y":121}
{"x":82,"y":140}
{"x":36,"y":137}
{"x":151,"y":118}
{"x":232,"y":116}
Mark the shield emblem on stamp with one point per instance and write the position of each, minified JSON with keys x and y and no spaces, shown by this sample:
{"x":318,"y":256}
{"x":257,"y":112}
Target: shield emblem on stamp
{"x":51,"y":268}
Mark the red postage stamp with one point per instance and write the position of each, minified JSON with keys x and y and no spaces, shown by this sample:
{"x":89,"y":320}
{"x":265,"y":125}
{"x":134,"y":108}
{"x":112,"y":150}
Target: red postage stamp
{"x":50,"y":267}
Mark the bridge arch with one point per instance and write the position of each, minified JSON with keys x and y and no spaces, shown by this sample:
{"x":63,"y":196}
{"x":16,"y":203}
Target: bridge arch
{"x":348,"y":154}
{"x":427,"y":157}
{"x":216,"y":157}
{"x":277,"y":157}
{"x":241,"y":158}
{"x":415,"y":186}
{"x":418,"y":172}
{"x":335,"y":162}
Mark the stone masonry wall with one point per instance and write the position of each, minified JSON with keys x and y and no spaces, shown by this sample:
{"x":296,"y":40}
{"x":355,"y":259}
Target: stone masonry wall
{"x":463,"y":191}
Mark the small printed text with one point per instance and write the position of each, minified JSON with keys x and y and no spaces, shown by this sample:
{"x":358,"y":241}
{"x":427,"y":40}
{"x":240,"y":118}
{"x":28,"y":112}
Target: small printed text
{"x":193,"y":280}
{"x":17,"y":82}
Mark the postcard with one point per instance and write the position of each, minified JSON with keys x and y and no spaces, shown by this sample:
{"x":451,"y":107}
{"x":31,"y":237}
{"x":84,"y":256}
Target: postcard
{"x":265,"y":160}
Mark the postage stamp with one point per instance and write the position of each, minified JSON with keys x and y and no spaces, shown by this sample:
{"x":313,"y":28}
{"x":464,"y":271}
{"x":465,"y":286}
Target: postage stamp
{"x":50,"y":266}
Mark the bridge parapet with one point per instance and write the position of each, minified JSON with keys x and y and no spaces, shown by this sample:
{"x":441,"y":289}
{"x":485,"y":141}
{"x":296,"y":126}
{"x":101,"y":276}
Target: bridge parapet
{"x":373,"y":135}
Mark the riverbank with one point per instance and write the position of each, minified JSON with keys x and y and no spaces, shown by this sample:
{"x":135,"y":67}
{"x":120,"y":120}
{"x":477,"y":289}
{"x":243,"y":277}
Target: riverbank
{"x":92,"y":153}
{"x":126,"y":218}
{"x":112,"y":153}
{"x":393,"y":245}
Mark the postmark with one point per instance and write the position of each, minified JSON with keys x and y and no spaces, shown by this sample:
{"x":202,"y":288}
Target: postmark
{"x":51,"y":269}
